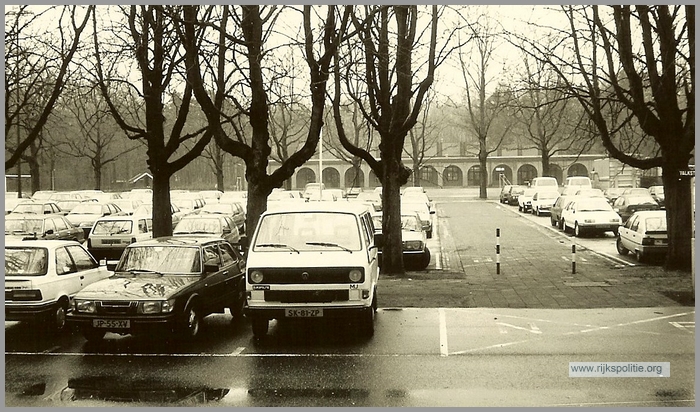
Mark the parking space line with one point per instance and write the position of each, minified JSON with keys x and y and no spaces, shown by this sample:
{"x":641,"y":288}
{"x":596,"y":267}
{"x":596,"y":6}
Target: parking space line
{"x":443,"y":333}
{"x":631,"y":323}
{"x":498,"y":345}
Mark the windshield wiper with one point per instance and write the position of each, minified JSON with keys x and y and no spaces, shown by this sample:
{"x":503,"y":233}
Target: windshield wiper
{"x":277,"y":245}
{"x":135,"y":272}
{"x":326,"y":244}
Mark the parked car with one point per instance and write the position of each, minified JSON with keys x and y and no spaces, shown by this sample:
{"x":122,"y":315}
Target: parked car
{"x":37,"y":207}
{"x":128,"y":206}
{"x":188,"y":205}
{"x":657,"y":192}
{"x":558,"y":206}
{"x":12,"y":201}
{"x":208,"y":224}
{"x":513,"y":194}
{"x":578,"y":181}
{"x":416,"y":255}
{"x":42,"y":276}
{"x":413,"y":189}
{"x":626,"y":205}
{"x":211,"y":196}
{"x":322,"y":196}
{"x":168,"y":284}
{"x":47,"y":227}
{"x":85,"y":214}
{"x":371,"y":199}
{"x":542,"y":201}
{"x":112,"y":234}
{"x":146,"y":209}
{"x":413,"y":196}
{"x":503,"y":196}
{"x":590,"y":215}
{"x":312,"y":187}
{"x":313,"y":261}
{"x":234,"y":210}
{"x":635,"y":191}
{"x":644,"y":234}
{"x":588,"y":192}
{"x":545,"y":181}
{"x":423,"y":212}
{"x":525,"y":199}
{"x":613,"y":193}
{"x":43,"y":194}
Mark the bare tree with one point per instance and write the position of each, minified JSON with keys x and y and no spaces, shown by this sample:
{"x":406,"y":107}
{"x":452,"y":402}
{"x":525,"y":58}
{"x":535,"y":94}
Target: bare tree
{"x":96,"y":134}
{"x":383,"y":60}
{"x":34,"y":62}
{"x":151,"y":39}
{"x":638,"y":62}
{"x":424,"y":138}
{"x":548,"y":117}
{"x":361,"y":135}
{"x":483,"y":110}
{"x":251,"y":26}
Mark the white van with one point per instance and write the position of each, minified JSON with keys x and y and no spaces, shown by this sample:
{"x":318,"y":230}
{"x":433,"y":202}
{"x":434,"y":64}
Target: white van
{"x":544,"y":182}
{"x":578,"y":181}
{"x":313,"y":260}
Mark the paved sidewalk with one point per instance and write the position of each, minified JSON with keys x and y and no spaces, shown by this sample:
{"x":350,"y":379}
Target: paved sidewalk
{"x":535,"y":271}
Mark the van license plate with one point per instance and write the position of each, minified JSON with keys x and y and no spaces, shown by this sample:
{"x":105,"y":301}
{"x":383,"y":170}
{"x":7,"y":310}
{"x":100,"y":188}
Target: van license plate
{"x":303,"y":313}
{"x":109,"y":323}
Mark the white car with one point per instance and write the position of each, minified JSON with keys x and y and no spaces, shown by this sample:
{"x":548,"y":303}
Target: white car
{"x":542,"y":202}
{"x":592,"y":214}
{"x":315,"y":261}
{"x":525,"y":199}
{"x":416,"y":255}
{"x":112,"y":234}
{"x":423,"y":212}
{"x":42,"y":276}
{"x":645,"y":234}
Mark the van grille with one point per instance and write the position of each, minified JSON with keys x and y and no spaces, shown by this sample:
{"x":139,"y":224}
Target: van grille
{"x":306,"y":296}
{"x":287,"y":276}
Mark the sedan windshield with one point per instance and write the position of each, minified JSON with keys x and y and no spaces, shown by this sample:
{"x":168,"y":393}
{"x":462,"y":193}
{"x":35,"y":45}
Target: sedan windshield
{"x":410,"y":223}
{"x":212,"y":226}
{"x":161,"y":259}
{"x":87,"y":209}
{"x":30,"y":261}
{"x":29,"y":208}
{"x":297,"y":230}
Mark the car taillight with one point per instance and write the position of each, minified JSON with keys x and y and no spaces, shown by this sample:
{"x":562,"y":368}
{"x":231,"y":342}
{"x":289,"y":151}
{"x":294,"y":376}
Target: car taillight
{"x":26,"y":294}
{"x":647,"y":241}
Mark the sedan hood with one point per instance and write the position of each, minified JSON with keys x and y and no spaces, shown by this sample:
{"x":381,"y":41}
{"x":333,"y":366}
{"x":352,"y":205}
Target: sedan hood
{"x":78,"y":218}
{"x":126,"y":287}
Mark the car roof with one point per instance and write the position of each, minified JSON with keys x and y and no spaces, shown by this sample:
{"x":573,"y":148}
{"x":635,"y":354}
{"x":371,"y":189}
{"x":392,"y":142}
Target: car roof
{"x":29,"y":216}
{"x":122,"y":217}
{"x":39,"y":243}
{"x":338,"y":207}
{"x":659,"y":212}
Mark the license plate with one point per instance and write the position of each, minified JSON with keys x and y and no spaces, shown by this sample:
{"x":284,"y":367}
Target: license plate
{"x":111,"y":241}
{"x":303,"y":313}
{"x":109,"y":323}
{"x":659,"y":242}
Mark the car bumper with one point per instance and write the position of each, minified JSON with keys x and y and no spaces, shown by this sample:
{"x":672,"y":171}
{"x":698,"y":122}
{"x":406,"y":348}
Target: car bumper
{"x":649,"y":250}
{"x":600,"y":227}
{"x":328,"y":312}
{"x":14,"y":312}
{"x":136,"y":324}
{"x":107,"y":253}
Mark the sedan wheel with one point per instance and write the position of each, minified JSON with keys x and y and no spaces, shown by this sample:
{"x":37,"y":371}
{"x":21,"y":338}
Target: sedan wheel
{"x":639,"y":256}
{"x":367,"y":323}
{"x":192,"y":323}
{"x":578,"y":232}
{"x":57,"y":320}
{"x":621,"y":249}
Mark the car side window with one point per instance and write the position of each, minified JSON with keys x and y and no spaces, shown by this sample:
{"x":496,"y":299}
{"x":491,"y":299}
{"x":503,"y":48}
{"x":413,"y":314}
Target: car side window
{"x":367,"y":227}
{"x":228,"y":255}
{"x":635,"y":224}
{"x":64,"y":264}
{"x":82,"y":259}
{"x":211,"y":255}
{"x":49,"y":225}
{"x":60,"y":224}
{"x":143,"y":228}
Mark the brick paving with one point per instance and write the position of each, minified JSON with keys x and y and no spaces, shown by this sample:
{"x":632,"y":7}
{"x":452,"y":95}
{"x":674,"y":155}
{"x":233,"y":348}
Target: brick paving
{"x":535,"y":268}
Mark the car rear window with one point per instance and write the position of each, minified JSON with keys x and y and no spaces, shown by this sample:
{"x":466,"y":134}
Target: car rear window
{"x":112,"y":227}
{"x":31,"y":261}
{"x":655,"y":224}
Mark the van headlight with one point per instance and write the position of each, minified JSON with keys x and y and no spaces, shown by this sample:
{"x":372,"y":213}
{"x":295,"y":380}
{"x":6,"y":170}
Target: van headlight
{"x":413,"y":245}
{"x":84,"y":306}
{"x":355,"y":275}
{"x":255,"y":276}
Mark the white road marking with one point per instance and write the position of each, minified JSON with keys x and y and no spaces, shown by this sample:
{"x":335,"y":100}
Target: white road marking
{"x":52,"y":349}
{"x":238,"y":350}
{"x":684,"y":326}
{"x":632,"y":323}
{"x":498,"y":345}
{"x":533,"y":328}
{"x":443,"y":332}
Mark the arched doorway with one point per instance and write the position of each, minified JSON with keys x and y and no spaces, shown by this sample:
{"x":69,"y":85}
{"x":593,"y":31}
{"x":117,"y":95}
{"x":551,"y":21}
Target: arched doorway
{"x":501,"y":170}
{"x":577,"y":169}
{"x":305,"y":175}
{"x":474,"y":176}
{"x":556,"y":172}
{"x":428,"y":176}
{"x":526,"y":173}
{"x":452,"y":176}
{"x":331,"y":178}
{"x":354,"y":177}
{"x":373,"y":179}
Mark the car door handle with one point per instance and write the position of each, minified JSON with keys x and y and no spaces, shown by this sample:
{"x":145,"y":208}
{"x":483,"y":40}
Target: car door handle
{"x":225,"y":272}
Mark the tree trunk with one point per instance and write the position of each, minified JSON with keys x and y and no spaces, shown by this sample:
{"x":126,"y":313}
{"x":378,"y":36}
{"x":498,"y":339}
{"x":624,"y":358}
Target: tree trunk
{"x":679,"y":217}
{"x":483,"y":176}
{"x":35,"y":171}
{"x":392,"y":251}
{"x":545,"y":164}
{"x":220,"y":177}
{"x":98,"y":177}
{"x":162,"y":218}
{"x":256,"y":205}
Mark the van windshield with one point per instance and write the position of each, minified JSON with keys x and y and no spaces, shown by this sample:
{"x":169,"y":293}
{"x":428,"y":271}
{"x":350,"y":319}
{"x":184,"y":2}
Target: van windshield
{"x":306,"y":230}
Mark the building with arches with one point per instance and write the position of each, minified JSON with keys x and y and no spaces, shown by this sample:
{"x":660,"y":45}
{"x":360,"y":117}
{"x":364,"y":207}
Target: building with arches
{"x":449,"y":171}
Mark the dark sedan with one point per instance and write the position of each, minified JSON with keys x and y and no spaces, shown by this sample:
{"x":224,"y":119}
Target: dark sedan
{"x":48,"y":227}
{"x":626,"y":205}
{"x":167,"y":283}
{"x":513,"y":194}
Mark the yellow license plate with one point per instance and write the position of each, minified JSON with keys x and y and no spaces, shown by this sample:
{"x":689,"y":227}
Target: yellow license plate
{"x":110,"y":324}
